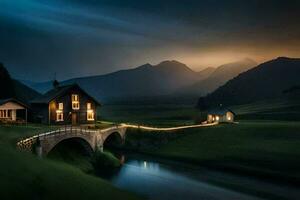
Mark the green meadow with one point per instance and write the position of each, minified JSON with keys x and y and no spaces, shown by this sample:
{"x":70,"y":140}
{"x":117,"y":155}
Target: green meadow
{"x":274,"y":109}
{"x":155,"y":115}
{"x":263,"y":151}
{"x":258,"y":145}
{"x":24,"y":176}
{"x":265,"y":142}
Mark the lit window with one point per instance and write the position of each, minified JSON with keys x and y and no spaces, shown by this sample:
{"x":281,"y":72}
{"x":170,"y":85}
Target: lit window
{"x":75,"y":102}
{"x":217,"y":118}
{"x":75,"y":97}
{"x":229,"y":118}
{"x":60,"y":106}
{"x":90,"y":115}
{"x":59,"y":116}
{"x":90,"y":112}
{"x":89,"y":106}
{"x":60,"y":113}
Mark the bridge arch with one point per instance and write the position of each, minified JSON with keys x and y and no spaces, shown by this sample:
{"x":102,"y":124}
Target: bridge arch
{"x":76,"y":144}
{"x":81,"y":142}
{"x":113,"y":140}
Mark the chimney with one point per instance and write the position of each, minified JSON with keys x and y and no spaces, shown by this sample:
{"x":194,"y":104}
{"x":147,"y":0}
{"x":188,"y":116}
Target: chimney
{"x":55,"y":84}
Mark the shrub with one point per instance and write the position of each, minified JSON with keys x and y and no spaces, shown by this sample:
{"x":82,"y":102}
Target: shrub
{"x":105,"y":160}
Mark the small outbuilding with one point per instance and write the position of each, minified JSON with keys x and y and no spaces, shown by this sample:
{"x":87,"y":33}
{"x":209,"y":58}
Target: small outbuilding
{"x":13,"y":110}
{"x":222,"y":115}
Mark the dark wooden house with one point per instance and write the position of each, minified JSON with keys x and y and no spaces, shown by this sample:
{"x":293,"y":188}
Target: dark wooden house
{"x":68,"y":104}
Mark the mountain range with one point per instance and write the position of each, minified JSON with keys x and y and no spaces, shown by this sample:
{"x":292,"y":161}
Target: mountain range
{"x":167,"y":78}
{"x":270,"y":80}
{"x":219,"y":77}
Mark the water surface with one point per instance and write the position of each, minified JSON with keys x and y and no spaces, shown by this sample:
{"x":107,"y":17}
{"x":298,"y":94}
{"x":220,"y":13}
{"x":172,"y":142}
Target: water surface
{"x":166,"y":180}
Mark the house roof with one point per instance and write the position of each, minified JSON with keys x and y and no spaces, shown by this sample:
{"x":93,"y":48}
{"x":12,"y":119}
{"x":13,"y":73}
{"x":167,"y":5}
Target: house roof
{"x":220,"y":111}
{"x":4,"y":101}
{"x":57,"y":92}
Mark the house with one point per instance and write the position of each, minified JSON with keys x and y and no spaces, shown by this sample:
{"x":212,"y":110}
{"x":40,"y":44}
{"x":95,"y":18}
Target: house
{"x":220,"y":115}
{"x":68,"y":104}
{"x":13,"y":110}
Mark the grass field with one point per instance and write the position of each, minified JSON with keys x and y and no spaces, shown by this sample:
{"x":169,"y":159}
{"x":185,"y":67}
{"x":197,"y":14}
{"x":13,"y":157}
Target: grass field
{"x":275,"y":109}
{"x":261,"y":147}
{"x":179,"y":114}
{"x":24,"y":176}
{"x":266,"y":140}
{"x":266,"y":147}
{"x":157,"y":115}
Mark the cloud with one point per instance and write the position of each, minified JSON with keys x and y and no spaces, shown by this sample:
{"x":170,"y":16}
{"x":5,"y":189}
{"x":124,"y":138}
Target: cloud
{"x":106,"y":35}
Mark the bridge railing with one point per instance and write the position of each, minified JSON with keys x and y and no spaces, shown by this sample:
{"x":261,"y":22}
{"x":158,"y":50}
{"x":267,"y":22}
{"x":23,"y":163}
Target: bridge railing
{"x":26,"y":144}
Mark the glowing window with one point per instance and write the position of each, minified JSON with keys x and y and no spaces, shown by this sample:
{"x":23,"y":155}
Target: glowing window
{"x":75,"y":97}
{"x":217,"y":118}
{"x":75,"y":102}
{"x":90,"y":115}
{"x":89,"y":106}
{"x":60,"y":106}
{"x":59,"y":116}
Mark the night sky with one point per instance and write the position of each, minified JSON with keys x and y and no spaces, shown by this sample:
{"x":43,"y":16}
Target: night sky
{"x":91,"y":37}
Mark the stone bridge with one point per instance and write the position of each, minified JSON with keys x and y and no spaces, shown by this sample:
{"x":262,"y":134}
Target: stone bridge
{"x":90,"y":139}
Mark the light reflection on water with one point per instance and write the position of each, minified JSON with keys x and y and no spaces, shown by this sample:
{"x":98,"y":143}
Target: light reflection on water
{"x":155,"y":180}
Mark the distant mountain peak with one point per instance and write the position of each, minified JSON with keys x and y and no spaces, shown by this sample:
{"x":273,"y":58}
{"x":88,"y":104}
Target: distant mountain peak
{"x":170,"y":62}
{"x":284,"y":58}
{"x":174,"y":65}
{"x":145,"y":66}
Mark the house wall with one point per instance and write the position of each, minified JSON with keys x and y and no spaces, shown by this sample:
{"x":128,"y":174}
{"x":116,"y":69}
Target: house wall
{"x":228,"y":117}
{"x":39,"y":113}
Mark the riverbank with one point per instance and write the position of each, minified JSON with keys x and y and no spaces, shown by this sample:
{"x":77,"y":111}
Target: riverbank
{"x":25,"y":176}
{"x":264,"y":149}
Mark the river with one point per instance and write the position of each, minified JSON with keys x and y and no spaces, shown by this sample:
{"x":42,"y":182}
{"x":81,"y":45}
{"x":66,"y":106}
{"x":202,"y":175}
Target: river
{"x":162,"y":179}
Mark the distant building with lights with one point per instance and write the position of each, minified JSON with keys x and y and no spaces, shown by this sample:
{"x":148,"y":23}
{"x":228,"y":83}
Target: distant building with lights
{"x":221,"y":115}
{"x":68,"y":104}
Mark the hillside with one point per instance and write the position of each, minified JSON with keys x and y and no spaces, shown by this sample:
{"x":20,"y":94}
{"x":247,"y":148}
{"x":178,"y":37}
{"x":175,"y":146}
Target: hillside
{"x":266,"y":81}
{"x":41,"y":87}
{"x":219,"y":77}
{"x":205,"y":73}
{"x":6,"y":83}
{"x":11,"y":88}
{"x":24,"y":92}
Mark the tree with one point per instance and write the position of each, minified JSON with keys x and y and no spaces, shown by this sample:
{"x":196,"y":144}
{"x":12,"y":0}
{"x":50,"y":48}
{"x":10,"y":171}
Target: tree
{"x":6,"y":84}
{"x":202,"y":107}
